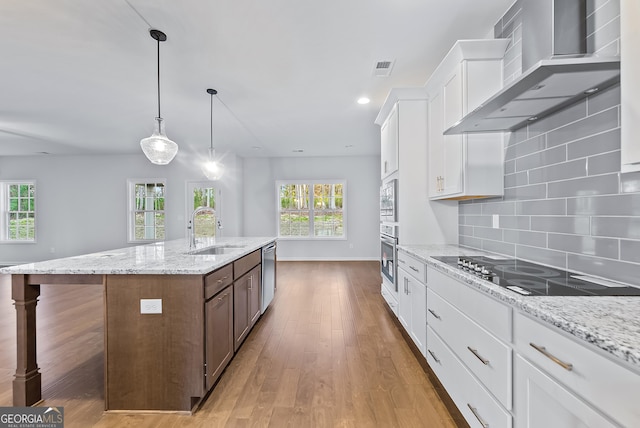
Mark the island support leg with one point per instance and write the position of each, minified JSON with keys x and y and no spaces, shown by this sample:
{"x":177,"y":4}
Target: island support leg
{"x":27,"y":389}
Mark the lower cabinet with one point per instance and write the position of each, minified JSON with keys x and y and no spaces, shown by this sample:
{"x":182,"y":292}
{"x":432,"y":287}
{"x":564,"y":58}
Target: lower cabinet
{"x":477,"y":406}
{"x":586,"y":388}
{"x":246,"y":304}
{"x":542,"y":402}
{"x":219,"y":342}
{"x":412,"y":308}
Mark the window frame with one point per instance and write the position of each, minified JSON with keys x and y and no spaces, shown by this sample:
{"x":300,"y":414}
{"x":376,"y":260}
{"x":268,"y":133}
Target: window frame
{"x":4,"y":209}
{"x":131,"y":209}
{"x":190,"y":186}
{"x":311,"y":236}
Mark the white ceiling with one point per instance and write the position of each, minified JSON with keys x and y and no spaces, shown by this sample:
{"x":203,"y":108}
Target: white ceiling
{"x":79,"y":77}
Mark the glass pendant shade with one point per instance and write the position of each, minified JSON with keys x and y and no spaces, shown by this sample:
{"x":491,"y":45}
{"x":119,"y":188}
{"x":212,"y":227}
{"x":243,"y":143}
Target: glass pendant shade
{"x":212,"y":169}
{"x":158,"y":148}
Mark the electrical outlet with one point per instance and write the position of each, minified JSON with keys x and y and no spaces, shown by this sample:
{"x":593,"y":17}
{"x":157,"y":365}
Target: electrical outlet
{"x":150,"y":306}
{"x":496,"y":221}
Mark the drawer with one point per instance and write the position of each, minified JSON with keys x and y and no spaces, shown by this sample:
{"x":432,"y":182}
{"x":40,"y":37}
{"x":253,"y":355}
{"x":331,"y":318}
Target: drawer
{"x":607,"y":385}
{"x":412,"y":265}
{"x":486,"y":311}
{"x":217,"y":280}
{"x":489,"y":359}
{"x":476,"y":405}
{"x":246,"y":263}
{"x":391,"y":301}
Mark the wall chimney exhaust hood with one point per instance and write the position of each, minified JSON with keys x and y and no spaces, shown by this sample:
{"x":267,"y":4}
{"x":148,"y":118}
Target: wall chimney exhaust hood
{"x":558,"y":71}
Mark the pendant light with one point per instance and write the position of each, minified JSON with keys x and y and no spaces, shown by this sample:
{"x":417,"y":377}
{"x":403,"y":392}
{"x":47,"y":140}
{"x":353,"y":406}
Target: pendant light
{"x":159,"y":149}
{"x":212,"y":169}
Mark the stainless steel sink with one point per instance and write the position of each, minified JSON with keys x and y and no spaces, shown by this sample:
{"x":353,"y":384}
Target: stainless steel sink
{"x":218,"y":249}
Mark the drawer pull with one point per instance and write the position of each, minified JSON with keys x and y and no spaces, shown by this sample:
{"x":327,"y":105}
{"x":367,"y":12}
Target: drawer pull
{"x":401,"y":261}
{"x":475,"y":352}
{"x":221,"y":280}
{"x":543,"y":351}
{"x":434,"y":314}
{"x":414,"y":269}
{"x":475,"y":413}
{"x":433,"y":356}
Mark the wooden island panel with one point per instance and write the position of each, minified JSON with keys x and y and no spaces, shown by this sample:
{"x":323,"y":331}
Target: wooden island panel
{"x":154,"y":361}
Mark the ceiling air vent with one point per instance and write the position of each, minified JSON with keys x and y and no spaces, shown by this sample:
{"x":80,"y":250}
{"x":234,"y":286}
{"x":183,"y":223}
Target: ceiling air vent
{"x":383,"y":68}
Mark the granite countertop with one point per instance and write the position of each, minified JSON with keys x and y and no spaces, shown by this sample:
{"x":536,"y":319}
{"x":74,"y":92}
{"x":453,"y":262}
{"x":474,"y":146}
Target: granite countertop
{"x":161,"y":258}
{"x":609,"y":323}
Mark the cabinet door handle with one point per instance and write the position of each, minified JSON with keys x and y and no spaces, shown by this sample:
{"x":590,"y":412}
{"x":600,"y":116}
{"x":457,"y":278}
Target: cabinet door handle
{"x":475,"y":352}
{"x":251,"y":282}
{"x":475,"y":413}
{"x":433,"y":356}
{"x":434,"y":314}
{"x":543,"y":351}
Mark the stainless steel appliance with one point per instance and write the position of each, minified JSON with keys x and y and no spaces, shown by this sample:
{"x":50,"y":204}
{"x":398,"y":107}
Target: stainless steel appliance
{"x":268,"y":275}
{"x":389,"y":255}
{"x":388,"y":201}
{"x":531,"y":279}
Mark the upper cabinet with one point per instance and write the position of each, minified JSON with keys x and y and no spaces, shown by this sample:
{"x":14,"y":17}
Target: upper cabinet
{"x":470,"y":165}
{"x":389,"y":144}
{"x":630,"y":84}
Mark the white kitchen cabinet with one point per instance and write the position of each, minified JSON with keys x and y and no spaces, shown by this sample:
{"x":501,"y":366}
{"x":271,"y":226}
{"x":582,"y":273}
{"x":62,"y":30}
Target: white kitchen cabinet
{"x":468,"y":165}
{"x":630,"y":85}
{"x":412,"y":299}
{"x":419,"y":220}
{"x":542,"y":402}
{"x":477,"y":406}
{"x":389,"y":144}
{"x":588,"y":388}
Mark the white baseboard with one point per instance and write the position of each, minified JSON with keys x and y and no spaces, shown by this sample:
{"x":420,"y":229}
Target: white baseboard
{"x":327,"y":259}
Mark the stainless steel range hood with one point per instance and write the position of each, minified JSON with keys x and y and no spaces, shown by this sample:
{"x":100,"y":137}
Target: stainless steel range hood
{"x":558,"y":72}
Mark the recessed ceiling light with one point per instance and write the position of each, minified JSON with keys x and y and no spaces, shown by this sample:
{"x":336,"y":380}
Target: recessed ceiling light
{"x":363,"y":100}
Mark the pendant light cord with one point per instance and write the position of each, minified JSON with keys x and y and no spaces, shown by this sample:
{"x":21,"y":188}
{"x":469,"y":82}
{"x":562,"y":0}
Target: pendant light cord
{"x":211,"y":139}
{"x":159,"y":116}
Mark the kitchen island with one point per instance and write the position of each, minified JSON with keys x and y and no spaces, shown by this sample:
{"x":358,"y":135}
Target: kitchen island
{"x":174,"y":317}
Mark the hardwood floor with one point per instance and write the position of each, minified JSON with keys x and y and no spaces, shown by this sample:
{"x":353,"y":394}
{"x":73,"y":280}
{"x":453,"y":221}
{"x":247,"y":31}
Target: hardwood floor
{"x":325,"y":354}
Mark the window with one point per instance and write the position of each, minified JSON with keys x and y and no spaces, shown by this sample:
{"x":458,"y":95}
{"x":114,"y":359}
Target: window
{"x":203,"y":194}
{"x":146,"y":210}
{"x":19,"y":211}
{"x":311,"y":209}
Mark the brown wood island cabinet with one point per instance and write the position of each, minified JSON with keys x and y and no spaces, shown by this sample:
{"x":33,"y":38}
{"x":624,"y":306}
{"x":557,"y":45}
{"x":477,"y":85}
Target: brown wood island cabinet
{"x":171,"y":360}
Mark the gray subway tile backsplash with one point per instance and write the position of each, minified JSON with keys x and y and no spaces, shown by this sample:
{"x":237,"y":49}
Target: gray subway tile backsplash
{"x":603,"y":164}
{"x":542,"y":207}
{"x":612,"y":269}
{"x":619,"y":227}
{"x":600,"y":185}
{"x":599,"y":122}
{"x":595,"y":144}
{"x":560,"y":171}
{"x":542,"y":158}
{"x":525,"y":237}
{"x":541,"y":255}
{"x":630,"y":251}
{"x":521,"y":222}
{"x":573,"y":208}
{"x":564,"y":224}
{"x":580,"y":244}
{"x":610,"y":205}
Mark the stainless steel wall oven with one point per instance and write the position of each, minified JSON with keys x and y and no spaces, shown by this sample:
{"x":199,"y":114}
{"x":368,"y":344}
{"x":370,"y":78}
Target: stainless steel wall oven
{"x":389,"y":255}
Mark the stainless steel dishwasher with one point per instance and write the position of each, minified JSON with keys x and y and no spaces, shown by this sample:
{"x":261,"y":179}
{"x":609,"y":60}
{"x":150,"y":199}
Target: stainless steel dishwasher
{"x":268,"y":274}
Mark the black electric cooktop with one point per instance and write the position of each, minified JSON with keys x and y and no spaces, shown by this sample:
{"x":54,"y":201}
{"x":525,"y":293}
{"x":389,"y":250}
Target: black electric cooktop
{"x":531,"y":279}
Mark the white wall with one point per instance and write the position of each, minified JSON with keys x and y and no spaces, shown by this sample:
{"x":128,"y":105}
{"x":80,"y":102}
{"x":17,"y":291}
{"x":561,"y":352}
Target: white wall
{"x":362,"y":175}
{"x":81,"y":201}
